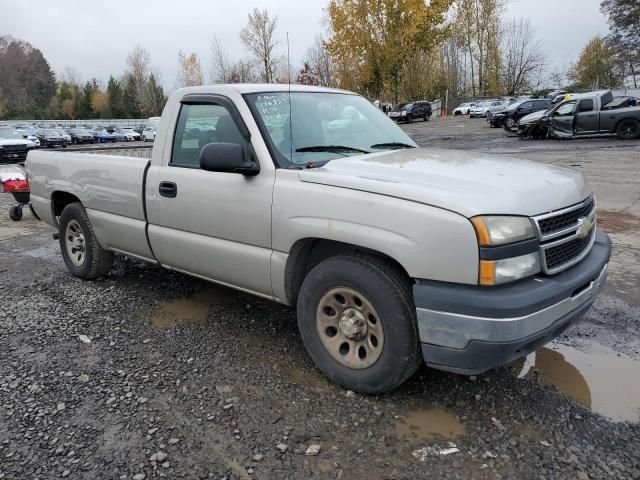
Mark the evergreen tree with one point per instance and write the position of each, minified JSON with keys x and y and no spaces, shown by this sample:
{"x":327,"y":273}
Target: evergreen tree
{"x":130,"y":97}
{"x":115,"y":99}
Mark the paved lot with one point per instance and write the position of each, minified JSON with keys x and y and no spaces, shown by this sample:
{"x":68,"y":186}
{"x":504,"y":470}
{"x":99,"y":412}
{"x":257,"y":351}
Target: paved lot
{"x":219,"y":381}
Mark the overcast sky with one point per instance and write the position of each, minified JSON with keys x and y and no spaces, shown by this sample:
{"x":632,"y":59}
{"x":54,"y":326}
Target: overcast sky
{"x":95,"y":37}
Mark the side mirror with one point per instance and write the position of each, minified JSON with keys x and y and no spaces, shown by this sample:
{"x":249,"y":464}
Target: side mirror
{"x":227,"y":157}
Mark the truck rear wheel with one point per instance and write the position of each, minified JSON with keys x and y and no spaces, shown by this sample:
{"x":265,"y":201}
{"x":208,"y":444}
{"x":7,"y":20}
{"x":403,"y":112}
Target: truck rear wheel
{"x":82,"y":254}
{"x":628,"y":129}
{"x":358,"y":322}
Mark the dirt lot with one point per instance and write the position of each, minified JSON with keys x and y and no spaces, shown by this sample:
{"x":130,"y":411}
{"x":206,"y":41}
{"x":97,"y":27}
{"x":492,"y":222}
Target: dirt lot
{"x":182,"y":379}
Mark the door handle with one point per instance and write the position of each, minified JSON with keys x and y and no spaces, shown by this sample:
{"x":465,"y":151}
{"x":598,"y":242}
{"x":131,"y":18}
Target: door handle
{"x":168,"y":189}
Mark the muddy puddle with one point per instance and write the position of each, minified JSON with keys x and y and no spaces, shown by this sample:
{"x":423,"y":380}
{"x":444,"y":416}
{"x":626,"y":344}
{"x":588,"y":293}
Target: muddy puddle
{"x":193,"y":309}
{"x":597,"y":377}
{"x":428,"y":424}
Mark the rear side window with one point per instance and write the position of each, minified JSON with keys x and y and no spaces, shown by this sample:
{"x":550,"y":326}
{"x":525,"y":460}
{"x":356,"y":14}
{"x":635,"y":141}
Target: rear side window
{"x":526,"y":105}
{"x":586,"y":105}
{"x":541,"y":104}
{"x":199,"y":125}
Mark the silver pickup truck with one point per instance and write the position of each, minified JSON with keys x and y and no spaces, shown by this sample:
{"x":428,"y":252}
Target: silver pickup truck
{"x":391,"y":254}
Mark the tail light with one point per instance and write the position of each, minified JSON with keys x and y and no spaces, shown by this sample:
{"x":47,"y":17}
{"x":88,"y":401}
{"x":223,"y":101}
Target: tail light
{"x":15,"y":186}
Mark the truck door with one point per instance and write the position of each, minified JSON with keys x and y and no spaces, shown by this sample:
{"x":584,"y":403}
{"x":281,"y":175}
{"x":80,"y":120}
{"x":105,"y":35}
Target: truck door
{"x":562,"y":119}
{"x":587,"y":118}
{"x":216,"y":225}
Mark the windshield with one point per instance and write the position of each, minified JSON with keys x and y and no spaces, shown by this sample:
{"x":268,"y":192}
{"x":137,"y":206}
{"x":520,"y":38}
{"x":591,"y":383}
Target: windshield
{"x":403,"y":106}
{"x":10,"y":133}
{"x":324,"y":126}
{"x":52,"y":133}
{"x":515,"y":105}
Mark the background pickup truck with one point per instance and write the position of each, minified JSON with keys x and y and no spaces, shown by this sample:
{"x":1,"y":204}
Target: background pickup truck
{"x":584,"y":114}
{"x":314,"y":198}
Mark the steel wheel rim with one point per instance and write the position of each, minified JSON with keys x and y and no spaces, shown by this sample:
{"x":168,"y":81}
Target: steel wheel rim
{"x":75,"y":243}
{"x":349,"y":328}
{"x":628,"y":129}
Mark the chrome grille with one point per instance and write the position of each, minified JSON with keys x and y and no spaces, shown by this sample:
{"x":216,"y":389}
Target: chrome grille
{"x":566,"y":235}
{"x":15,"y":148}
{"x":562,"y":221}
{"x":555,"y":257}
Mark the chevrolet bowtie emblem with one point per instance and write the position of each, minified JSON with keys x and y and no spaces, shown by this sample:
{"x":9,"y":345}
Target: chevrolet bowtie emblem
{"x":584,"y":227}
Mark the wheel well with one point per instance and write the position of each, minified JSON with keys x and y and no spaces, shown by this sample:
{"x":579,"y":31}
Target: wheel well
{"x":59,"y":200}
{"x":309,"y":252}
{"x":625,"y":119}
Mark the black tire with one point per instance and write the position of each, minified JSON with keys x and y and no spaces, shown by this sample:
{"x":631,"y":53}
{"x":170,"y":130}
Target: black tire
{"x":508,"y":124}
{"x":409,"y":118}
{"x":97,"y":261}
{"x":628,"y":129}
{"x":15,"y":213}
{"x":390,"y":295}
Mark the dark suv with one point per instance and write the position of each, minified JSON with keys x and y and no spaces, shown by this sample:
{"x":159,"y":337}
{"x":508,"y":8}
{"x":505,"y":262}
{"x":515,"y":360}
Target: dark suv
{"x":508,"y":118}
{"x":406,"y":112}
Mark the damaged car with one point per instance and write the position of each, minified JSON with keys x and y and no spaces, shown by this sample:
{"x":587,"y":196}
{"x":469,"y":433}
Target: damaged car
{"x":594,"y":113}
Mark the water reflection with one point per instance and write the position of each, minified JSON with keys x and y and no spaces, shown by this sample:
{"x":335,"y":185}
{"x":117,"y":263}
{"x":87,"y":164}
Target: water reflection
{"x":595,"y":376}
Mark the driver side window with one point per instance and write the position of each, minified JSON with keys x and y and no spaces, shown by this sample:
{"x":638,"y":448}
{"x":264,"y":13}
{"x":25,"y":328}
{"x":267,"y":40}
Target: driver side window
{"x":566,"y":109}
{"x":198,"y":125}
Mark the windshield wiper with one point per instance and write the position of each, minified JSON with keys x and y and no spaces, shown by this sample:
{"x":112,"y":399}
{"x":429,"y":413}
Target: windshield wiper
{"x":392,"y":145}
{"x":330,"y":148}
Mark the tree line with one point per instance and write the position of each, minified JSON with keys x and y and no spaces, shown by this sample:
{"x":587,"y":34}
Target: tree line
{"x":392,"y":50}
{"x":29,"y":89}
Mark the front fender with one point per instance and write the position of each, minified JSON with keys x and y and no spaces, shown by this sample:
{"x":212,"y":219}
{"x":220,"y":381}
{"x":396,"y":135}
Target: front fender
{"x":428,"y":242}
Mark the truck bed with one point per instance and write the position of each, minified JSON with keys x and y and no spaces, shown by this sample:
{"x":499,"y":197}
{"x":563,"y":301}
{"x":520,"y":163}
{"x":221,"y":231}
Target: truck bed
{"x":110,"y":187}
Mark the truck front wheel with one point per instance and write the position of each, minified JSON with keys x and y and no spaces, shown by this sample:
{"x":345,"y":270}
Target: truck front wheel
{"x":358,"y":322}
{"x":82,"y":254}
{"x":628,"y":129}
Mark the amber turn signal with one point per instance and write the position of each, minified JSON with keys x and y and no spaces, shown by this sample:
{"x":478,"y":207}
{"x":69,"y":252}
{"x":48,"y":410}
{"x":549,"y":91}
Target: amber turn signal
{"x":487,"y":273}
{"x":484,"y":239}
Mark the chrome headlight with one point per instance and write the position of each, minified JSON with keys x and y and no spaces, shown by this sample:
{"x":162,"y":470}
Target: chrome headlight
{"x":502,"y":229}
{"x":509,"y":269}
{"x":404,"y":113}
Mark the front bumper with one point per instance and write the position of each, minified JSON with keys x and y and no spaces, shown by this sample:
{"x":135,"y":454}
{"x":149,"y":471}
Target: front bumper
{"x":471,"y":329}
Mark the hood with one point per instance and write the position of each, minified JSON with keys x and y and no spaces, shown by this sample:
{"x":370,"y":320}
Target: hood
{"x":532,"y":117}
{"x":467,"y":183}
{"x":17,"y":141}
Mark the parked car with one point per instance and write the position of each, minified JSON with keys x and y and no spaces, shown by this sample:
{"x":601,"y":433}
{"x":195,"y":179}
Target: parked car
{"x":120,"y":137}
{"x":484,"y":108}
{"x":102,"y":136}
{"x":391,"y":254}
{"x":13,"y":147}
{"x":50,"y":138}
{"x":81,"y":135}
{"x":64,"y":134}
{"x":29,"y":134}
{"x":140,"y":128}
{"x":149,"y":134}
{"x":509,"y":116}
{"x":129,"y":134}
{"x":585,"y":114}
{"x":407,"y":112}
{"x":463,"y":108}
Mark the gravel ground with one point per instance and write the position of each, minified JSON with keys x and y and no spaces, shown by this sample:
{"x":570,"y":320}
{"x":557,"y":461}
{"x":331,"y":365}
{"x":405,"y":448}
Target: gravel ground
{"x":151,"y":374}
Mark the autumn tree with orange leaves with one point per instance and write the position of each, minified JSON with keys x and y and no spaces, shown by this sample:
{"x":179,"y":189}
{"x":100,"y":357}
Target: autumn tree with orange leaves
{"x":372,"y":40}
